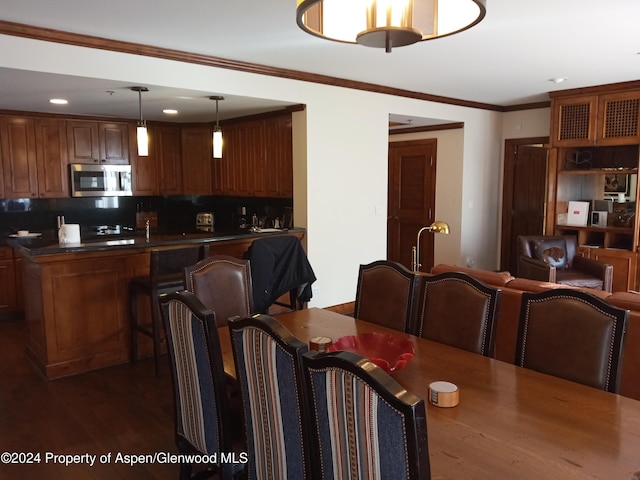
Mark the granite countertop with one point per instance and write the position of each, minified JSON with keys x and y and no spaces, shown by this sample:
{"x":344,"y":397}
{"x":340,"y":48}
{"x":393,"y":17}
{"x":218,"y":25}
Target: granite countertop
{"x":47,"y":244}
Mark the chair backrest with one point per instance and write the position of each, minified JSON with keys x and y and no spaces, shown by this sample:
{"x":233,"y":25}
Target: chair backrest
{"x":364,"y":424}
{"x":267,"y":360}
{"x":528,"y":244}
{"x":169,"y":264}
{"x":386,"y":294}
{"x":573,"y":335}
{"x":200,"y":396}
{"x":456,"y":309}
{"x":223,"y":284}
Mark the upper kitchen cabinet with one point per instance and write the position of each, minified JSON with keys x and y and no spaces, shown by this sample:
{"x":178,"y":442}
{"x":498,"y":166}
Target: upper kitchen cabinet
{"x":144,"y":170}
{"x":98,"y":142}
{"x":596,"y":116}
{"x":167,"y":143}
{"x":196,"y":160}
{"x":52,"y":158}
{"x":18,"y":147}
{"x":279,"y":157}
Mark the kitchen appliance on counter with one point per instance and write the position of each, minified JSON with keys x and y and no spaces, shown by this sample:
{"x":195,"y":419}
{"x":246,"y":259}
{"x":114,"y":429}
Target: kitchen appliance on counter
{"x":100,"y":180}
{"x":205,"y":222}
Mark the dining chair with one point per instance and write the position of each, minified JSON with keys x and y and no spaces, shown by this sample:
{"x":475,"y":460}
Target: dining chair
{"x":573,"y":335}
{"x":223,"y":284}
{"x":385,"y":294}
{"x":267,"y":360}
{"x":166,"y":274}
{"x":364,"y":424}
{"x":458,"y":310}
{"x":203,"y":418}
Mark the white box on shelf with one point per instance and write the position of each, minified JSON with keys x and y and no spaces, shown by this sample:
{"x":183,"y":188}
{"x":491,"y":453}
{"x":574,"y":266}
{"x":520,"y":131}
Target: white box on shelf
{"x":578,"y":214}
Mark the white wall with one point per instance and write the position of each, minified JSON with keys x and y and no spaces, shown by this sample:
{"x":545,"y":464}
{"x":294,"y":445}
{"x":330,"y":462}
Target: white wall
{"x":340,"y":188}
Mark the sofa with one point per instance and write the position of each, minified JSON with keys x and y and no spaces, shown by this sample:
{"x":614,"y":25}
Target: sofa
{"x":506,"y":329}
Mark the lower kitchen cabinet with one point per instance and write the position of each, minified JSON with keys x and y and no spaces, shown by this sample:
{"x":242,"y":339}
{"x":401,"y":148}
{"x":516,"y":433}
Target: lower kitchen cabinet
{"x":9,"y":293}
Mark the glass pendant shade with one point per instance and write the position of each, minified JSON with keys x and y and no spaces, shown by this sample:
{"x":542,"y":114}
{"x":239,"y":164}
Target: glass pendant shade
{"x":387,"y":23}
{"x":143,"y":141}
{"x":217,"y":143}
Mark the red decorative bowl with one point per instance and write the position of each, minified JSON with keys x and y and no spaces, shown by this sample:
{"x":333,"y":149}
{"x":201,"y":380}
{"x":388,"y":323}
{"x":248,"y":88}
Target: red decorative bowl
{"x":390,"y":352}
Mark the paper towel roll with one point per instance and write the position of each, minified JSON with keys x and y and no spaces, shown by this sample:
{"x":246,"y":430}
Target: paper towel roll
{"x":69,"y":234}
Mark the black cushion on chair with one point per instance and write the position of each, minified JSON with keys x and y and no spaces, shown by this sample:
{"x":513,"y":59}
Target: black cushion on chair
{"x":553,"y":252}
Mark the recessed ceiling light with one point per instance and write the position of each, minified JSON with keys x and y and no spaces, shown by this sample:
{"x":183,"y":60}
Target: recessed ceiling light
{"x":170,"y":111}
{"x":558,"y":80}
{"x":58,"y":101}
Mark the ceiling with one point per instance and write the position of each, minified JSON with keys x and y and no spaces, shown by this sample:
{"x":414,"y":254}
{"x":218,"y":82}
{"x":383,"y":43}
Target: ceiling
{"x":506,"y":60}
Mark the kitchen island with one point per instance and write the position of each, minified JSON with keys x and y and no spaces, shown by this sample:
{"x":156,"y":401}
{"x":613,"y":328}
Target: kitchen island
{"x":76,"y":296}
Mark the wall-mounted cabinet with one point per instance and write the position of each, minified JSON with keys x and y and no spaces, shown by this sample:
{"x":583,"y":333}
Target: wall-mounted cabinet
{"x":18,"y":147}
{"x":611,"y":118}
{"x":197,"y":151}
{"x":98,"y":142}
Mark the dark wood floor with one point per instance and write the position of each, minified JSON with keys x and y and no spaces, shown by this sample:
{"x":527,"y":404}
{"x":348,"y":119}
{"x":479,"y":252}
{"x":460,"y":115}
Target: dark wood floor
{"x":123,"y":409}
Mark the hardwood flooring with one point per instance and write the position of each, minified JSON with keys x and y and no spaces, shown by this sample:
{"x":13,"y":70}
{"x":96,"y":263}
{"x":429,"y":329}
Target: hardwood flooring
{"x":118,"y":410}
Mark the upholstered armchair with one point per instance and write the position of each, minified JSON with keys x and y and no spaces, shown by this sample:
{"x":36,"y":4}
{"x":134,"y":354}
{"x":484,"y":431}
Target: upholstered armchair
{"x":554,"y":259}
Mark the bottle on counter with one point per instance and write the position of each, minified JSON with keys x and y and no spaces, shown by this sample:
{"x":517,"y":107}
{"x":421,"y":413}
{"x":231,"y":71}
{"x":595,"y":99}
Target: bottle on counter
{"x":254,"y":220}
{"x":147,"y":229}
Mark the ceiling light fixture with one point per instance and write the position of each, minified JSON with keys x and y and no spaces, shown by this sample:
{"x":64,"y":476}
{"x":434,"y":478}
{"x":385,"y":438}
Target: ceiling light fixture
{"x":217,"y":131}
{"x":387,"y":23}
{"x":170,"y":111}
{"x":58,"y":101}
{"x":143,"y":137}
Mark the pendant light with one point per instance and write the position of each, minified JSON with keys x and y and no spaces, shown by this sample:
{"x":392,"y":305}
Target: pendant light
{"x":217,"y":131}
{"x":143,"y":137}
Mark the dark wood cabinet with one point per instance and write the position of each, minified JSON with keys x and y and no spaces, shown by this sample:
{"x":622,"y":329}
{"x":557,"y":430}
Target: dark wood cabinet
{"x":98,"y":142}
{"x":52,"y":158}
{"x":11,"y":291}
{"x":18,"y":142}
{"x":595,"y":116}
{"x":167,"y":145}
{"x":196,"y":160}
{"x":144,"y":170}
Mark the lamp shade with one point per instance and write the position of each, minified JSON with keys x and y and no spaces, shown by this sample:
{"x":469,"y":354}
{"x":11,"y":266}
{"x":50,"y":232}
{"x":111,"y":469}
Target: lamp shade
{"x":387,"y":23}
{"x":217,"y":143}
{"x":143,"y":141}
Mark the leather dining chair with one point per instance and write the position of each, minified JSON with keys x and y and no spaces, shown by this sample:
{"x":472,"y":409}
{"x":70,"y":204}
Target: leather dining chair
{"x":385,"y":294}
{"x":457,"y":309}
{"x":573,"y":335}
{"x":203,"y":418}
{"x":267,"y":361}
{"x":364,"y":424}
{"x":166,"y":274}
{"x":223,"y":284}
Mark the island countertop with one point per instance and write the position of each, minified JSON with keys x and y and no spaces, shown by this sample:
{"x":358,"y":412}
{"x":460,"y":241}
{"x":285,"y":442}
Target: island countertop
{"x":47,"y":244}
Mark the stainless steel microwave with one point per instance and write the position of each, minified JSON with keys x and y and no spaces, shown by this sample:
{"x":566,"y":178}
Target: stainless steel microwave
{"x":100,"y":180}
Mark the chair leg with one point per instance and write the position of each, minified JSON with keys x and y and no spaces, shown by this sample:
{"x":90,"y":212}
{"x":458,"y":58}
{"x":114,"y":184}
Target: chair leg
{"x":133,"y":319}
{"x":155,"y":330}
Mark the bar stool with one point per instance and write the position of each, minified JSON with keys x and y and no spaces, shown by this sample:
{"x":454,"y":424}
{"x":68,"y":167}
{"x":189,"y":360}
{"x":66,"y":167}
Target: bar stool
{"x":166,"y":274}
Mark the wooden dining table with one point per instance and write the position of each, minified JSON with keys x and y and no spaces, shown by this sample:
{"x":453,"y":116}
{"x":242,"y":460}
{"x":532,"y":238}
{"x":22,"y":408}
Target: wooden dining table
{"x":510,"y":423}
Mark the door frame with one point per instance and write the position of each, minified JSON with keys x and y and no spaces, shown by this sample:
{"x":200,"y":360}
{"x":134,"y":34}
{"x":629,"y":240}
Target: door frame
{"x":510,"y":150}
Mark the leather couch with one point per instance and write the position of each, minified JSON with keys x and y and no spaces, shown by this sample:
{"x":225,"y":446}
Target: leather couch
{"x":506,"y":329}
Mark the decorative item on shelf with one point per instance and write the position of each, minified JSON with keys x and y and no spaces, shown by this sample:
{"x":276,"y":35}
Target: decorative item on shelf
{"x":578,"y":160}
{"x":386,"y":23}
{"x":435,"y":227}
{"x":143,"y":137}
{"x":217,"y":131}
{"x":624,"y":218}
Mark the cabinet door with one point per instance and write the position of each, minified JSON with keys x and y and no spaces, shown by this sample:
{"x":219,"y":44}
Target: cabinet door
{"x":167,"y":144}
{"x":8,"y":292}
{"x":625,"y":265}
{"x":230,"y":157}
{"x":619,"y":118}
{"x":17,"y":136}
{"x":279,"y":157}
{"x":82,"y":141}
{"x":52,"y":158}
{"x":144,"y":170}
{"x":114,"y":143}
{"x":196,"y":160}
{"x":573,"y":121}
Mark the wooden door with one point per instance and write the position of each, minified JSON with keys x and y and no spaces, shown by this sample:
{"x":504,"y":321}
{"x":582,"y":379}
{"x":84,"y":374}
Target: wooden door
{"x":524,"y":193}
{"x":17,"y":139}
{"x":411,"y":200}
{"x":52,"y":154}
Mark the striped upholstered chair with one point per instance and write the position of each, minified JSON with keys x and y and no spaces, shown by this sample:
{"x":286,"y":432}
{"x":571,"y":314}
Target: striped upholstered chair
{"x":202,"y":415}
{"x":365,"y":425}
{"x":267,"y":359}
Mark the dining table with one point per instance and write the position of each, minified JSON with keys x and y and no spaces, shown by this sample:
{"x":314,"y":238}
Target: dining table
{"x":510,"y":422}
